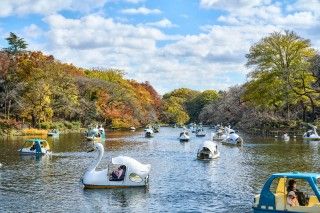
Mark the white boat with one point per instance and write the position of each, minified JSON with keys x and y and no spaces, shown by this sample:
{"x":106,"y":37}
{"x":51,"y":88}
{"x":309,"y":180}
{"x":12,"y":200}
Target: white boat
{"x":233,"y":138}
{"x":184,"y":136}
{"x":54,"y":133}
{"x":208,"y":150}
{"x":132,"y":128}
{"x":311,"y":134}
{"x":285,"y":137}
{"x":35,"y":147}
{"x":149,"y":133}
{"x":218,"y":135}
{"x":133,"y":173}
{"x":200,"y":133}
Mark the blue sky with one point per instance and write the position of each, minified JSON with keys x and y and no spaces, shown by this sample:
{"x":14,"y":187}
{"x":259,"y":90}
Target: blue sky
{"x":200,"y":44}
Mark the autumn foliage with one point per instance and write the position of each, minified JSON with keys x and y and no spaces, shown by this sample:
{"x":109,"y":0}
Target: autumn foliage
{"x":37,"y":88}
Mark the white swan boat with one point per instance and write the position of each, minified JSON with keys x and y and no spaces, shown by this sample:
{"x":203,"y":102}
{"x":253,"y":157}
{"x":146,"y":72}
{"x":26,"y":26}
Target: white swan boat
{"x":233,"y":138}
{"x":311,"y":134}
{"x":133,"y":174}
{"x":184,"y":136}
{"x":208,"y":150}
{"x":149,"y":133}
{"x":35,"y":147}
{"x":285,"y":137}
{"x":200,"y":132}
{"x":218,"y":135}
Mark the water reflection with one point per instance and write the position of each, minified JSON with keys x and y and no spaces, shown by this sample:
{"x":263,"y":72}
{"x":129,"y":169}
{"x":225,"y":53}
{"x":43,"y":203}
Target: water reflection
{"x":115,"y":199}
{"x":44,"y":158}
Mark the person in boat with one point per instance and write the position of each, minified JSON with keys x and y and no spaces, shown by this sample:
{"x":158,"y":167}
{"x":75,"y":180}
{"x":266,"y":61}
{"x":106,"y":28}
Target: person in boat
{"x":119,"y":173}
{"x":33,"y":147}
{"x":292,"y":199}
{"x":302,"y":199}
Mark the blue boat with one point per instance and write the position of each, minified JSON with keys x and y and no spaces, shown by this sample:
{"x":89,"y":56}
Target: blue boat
{"x":35,"y":147}
{"x":95,"y":134}
{"x":274,"y":195}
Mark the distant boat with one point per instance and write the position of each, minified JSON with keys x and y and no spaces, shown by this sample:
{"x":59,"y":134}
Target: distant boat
{"x":132,"y":128}
{"x":54,"y":133}
{"x":200,"y":132}
{"x":149,"y":133}
{"x":286,"y":137}
{"x":208,"y":150}
{"x":156,"y":128}
{"x":184,"y":136}
{"x":96,"y":134}
{"x":233,"y":138}
{"x":311,"y":134}
{"x":35,"y":147}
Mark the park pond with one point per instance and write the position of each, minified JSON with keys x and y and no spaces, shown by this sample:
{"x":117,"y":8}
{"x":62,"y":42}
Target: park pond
{"x":178,"y":181}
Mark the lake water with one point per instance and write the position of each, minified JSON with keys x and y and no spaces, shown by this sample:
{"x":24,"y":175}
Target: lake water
{"x":178,"y":182}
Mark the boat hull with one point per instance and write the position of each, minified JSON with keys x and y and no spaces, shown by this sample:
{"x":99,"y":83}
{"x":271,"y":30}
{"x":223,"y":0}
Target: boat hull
{"x":88,"y":186}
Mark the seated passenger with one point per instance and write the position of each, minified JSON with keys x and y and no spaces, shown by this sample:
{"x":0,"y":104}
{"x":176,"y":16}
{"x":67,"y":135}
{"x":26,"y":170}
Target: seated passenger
{"x":118,"y":175}
{"x":33,"y":147}
{"x":302,"y":199}
{"x":292,"y":199}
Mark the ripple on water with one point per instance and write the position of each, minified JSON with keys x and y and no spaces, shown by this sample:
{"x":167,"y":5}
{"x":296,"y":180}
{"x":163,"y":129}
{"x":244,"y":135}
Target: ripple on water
{"x":178,"y":182}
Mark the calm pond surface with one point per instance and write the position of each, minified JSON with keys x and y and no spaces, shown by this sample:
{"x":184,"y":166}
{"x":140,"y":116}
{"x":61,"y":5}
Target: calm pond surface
{"x":178,"y":182}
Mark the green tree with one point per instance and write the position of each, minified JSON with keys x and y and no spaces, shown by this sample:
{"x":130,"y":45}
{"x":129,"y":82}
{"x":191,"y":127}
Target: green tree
{"x":16,"y":44}
{"x":195,"y":105}
{"x":174,"y":111}
{"x":281,"y":75}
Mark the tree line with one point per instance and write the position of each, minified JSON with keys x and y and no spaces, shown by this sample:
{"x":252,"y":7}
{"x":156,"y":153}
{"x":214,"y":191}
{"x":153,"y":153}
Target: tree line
{"x":38,"y":90}
{"x":282,"y":90}
{"x":283,"y":87}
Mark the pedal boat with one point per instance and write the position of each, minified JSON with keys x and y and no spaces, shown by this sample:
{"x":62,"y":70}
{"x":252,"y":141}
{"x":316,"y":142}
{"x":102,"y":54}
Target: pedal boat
{"x":149,"y":133}
{"x":135,"y":174}
{"x":276,"y":201}
{"x":233,"y":139}
{"x":184,"y":136}
{"x":95,"y":134}
{"x":311,"y":134}
{"x":35,"y":147}
{"x":53,"y":133}
{"x":200,"y":133}
{"x":208,"y":150}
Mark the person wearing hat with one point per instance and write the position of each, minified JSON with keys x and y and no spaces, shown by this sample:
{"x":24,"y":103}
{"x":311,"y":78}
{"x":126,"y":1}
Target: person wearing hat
{"x":292,"y":199}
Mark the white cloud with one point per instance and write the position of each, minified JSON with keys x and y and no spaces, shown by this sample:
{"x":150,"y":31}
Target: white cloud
{"x":200,"y":61}
{"x":141,"y":11}
{"x":209,"y":59}
{"x":230,"y":4}
{"x":9,"y":7}
{"x":32,"y":31}
{"x":163,"y":23}
{"x":134,"y":1}
{"x":305,"y":5}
